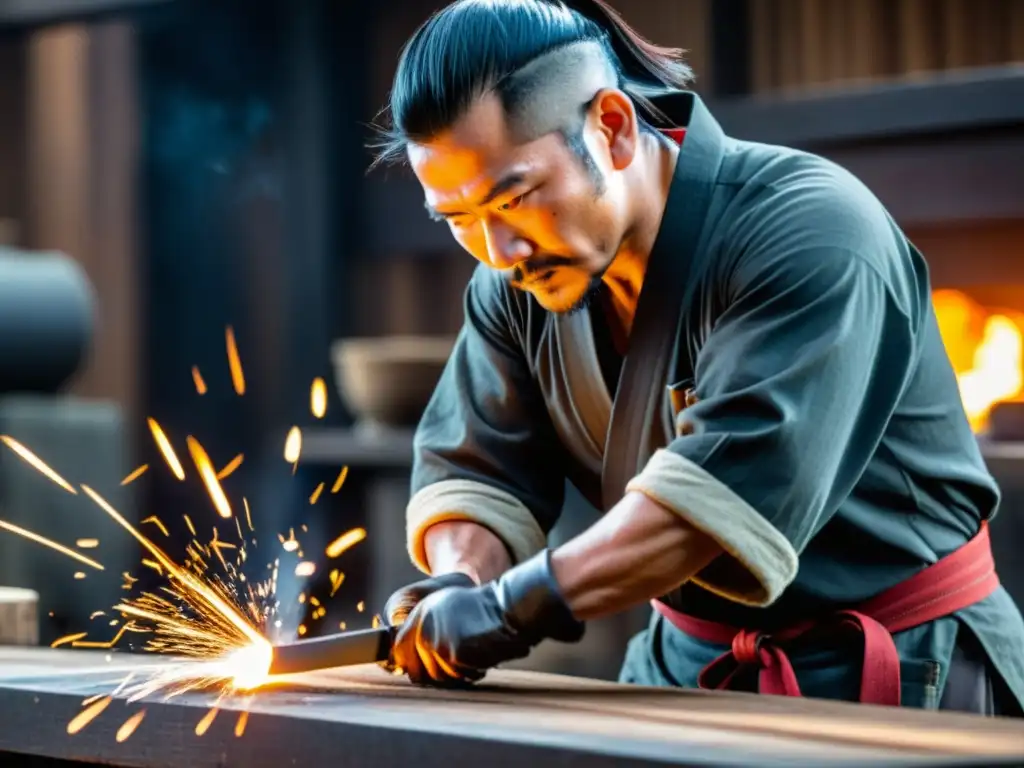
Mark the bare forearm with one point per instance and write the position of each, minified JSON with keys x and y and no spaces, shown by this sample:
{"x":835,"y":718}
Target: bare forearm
{"x":636,"y":552}
{"x":466,"y":547}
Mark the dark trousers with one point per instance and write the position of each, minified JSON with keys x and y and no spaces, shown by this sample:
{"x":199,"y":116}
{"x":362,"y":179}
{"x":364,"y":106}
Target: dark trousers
{"x":972,"y":686}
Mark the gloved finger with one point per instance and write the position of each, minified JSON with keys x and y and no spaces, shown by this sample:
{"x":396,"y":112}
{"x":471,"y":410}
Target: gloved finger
{"x":405,"y":657}
{"x":398,"y":608}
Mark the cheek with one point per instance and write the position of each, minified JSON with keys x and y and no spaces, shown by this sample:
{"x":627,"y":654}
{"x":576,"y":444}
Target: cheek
{"x":473,"y":242}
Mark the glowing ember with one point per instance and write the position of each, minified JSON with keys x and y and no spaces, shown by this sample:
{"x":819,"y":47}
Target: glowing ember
{"x":345,"y":541}
{"x":87,"y":543}
{"x":129,"y":726}
{"x":305,"y":569}
{"x":36,"y":463}
{"x":230,"y":467}
{"x":316,"y":493}
{"x":135,"y":474}
{"x":197,"y":379}
{"x":87,"y":715}
{"x":79,"y":574}
{"x":340,"y":481}
{"x":318,"y":398}
{"x":206,"y":472}
{"x":243,"y":719}
{"x":234,"y":362}
{"x":204,"y":725}
{"x":293,"y":445}
{"x":166,"y":449}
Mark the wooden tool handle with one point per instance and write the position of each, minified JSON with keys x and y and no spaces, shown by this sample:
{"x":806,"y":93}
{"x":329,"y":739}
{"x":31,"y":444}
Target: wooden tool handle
{"x":19,"y":616}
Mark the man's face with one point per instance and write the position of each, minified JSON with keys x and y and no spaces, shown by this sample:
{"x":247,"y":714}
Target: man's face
{"x":537,"y":211}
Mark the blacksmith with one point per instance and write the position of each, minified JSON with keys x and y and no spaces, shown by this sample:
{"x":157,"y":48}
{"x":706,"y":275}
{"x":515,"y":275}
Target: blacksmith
{"x":729,"y":347}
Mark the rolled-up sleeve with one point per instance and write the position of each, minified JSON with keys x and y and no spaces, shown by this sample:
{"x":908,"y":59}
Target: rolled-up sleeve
{"x":796,"y":382}
{"x":485,"y":449}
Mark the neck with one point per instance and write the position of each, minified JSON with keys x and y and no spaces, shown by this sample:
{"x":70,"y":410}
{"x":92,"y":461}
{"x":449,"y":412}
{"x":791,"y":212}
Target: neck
{"x":647,"y":191}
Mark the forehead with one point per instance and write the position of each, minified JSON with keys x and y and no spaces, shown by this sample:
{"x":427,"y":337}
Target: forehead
{"x":473,"y":153}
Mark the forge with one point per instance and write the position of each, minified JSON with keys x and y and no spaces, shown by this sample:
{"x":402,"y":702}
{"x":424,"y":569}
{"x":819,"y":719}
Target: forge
{"x":367,"y":716}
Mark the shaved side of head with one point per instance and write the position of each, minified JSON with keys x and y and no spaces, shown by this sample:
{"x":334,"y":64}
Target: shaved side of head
{"x":551,"y":93}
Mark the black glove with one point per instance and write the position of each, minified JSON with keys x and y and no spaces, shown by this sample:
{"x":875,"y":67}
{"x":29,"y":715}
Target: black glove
{"x":455,"y":635}
{"x":401,"y":603}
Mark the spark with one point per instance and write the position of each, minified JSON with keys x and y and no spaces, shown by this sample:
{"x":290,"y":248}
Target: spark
{"x":240,"y":724}
{"x":87,"y":715}
{"x":209,"y":477}
{"x":234,"y":363}
{"x":191,"y":528}
{"x":157,"y":522}
{"x":107,"y":644}
{"x":197,"y":379}
{"x":135,"y":474}
{"x":305,"y":568}
{"x":340,"y":481}
{"x":96,"y":614}
{"x":360,"y":606}
{"x":345,"y":541}
{"x":248,"y":513}
{"x":289,"y":544}
{"x":129,"y":726}
{"x":24,"y":533}
{"x":67,"y":639}
{"x":204,"y":725}
{"x":293,"y":447}
{"x":79,"y":575}
{"x":192,"y":585}
{"x":318,"y":398}
{"x":166,"y":449}
{"x":36,"y":463}
{"x":87,"y":543}
{"x":316,"y":494}
{"x":337,"y":578}
{"x":230,"y":467}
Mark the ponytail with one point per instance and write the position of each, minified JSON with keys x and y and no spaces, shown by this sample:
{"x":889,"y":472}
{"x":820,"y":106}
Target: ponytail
{"x":648,"y":70}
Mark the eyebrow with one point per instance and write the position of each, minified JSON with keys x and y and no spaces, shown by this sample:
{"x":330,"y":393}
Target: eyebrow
{"x":503,"y":185}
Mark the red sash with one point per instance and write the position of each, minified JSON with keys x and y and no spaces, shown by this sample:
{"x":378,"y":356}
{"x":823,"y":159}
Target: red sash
{"x":959,"y":580}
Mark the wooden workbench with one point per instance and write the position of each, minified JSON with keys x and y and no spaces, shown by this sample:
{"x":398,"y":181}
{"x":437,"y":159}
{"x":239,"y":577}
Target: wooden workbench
{"x":366,"y":717}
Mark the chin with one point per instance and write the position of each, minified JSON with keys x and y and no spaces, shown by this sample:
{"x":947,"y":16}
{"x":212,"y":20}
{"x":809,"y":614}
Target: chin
{"x":566,"y":301}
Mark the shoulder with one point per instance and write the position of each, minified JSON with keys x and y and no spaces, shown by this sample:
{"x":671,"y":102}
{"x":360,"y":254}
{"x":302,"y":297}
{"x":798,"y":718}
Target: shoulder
{"x":798,"y":214}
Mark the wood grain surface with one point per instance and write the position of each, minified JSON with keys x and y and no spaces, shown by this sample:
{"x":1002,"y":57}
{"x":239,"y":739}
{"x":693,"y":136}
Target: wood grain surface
{"x":351,"y":716}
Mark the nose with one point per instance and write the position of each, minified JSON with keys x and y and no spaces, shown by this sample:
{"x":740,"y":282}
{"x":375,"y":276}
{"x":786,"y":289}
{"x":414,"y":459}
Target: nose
{"x":505,"y":246}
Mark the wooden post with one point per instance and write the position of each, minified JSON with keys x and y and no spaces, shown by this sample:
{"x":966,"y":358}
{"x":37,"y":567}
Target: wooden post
{"x":19,"y":616}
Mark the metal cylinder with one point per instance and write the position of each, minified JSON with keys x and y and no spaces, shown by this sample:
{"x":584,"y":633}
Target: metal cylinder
{"x":46,"y":320}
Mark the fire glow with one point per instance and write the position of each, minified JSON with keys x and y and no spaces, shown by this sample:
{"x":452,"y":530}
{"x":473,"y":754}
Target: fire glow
{"x":986,"y":350}
{"x":213,"y":621}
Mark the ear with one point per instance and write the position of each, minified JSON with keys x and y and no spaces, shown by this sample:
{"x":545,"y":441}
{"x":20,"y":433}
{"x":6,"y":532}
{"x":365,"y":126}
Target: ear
{"x":615,"y":119}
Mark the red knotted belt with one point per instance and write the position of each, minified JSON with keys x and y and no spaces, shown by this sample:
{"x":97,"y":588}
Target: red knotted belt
{"x":959,"y":580}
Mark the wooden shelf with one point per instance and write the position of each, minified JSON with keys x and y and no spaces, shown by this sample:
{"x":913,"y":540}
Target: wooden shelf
{"x":965,"y":100}
{"x":363,"y":448}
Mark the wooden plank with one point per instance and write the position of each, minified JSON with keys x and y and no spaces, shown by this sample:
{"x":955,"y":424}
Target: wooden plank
{"x":353,"y":716}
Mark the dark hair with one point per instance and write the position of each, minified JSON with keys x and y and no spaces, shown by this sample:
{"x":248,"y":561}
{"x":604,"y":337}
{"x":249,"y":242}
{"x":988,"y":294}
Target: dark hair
{"x":472,"y":46}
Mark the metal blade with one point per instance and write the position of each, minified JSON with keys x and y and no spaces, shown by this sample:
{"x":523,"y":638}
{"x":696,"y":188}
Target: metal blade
{"x":342,"y":650}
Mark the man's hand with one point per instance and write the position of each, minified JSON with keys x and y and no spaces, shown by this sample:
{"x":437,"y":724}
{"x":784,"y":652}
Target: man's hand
{"x":401,"y":603}
{"x":455,"y":635}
